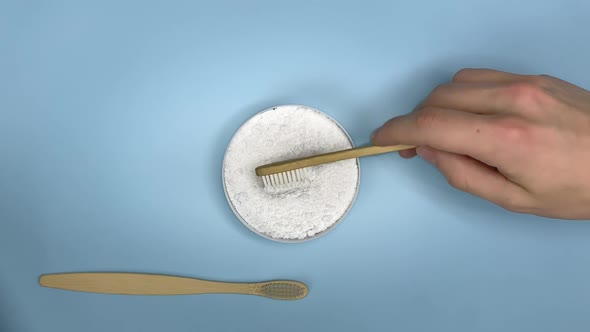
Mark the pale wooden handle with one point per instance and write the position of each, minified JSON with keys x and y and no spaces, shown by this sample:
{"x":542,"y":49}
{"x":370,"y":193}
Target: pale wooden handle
{"x":138,"y":284}
{"x":289,"y":165}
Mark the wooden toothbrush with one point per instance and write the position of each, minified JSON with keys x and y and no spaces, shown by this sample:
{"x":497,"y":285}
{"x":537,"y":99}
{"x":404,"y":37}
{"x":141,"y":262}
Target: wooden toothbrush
{"x":158,"y":284}
{"x":290,"y":171}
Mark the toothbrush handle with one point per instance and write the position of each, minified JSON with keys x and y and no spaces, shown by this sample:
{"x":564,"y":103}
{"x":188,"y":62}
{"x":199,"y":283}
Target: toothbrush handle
{"x":138,"y":284}
{"x":289,"y":165}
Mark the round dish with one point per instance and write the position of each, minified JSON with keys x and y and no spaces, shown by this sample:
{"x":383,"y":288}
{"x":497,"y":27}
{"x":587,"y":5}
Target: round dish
{"x":308,"y":210}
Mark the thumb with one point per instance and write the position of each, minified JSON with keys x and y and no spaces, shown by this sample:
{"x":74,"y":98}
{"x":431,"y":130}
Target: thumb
{"x":474,"y":177}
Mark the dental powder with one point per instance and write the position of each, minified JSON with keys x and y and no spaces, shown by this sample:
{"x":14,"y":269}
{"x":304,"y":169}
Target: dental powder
{"x":302,"y":210}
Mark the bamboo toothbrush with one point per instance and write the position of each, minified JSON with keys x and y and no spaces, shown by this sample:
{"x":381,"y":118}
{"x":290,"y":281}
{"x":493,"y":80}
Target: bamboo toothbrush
{"x":290,"y":171}
{"x":157,"y":284}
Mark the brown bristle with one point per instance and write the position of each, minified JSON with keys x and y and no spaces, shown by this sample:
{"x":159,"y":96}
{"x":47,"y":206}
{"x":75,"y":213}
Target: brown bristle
{"x":283,"y":290}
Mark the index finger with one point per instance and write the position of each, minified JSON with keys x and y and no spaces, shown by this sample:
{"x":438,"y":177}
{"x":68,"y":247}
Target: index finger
{"x":483,"y":75}
{"x":443,"y":129}
{"x":482,"y":98}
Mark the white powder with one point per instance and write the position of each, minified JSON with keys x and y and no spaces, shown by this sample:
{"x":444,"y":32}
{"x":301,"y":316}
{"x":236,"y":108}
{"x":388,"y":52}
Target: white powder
{"x":306,"y":209}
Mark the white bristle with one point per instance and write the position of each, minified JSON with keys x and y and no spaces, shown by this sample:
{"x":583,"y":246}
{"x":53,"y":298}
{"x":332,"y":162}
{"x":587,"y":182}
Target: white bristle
{"x":284,"y":179}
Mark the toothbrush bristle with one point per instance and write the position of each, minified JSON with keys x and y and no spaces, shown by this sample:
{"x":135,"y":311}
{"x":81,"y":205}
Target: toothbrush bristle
{"x":285,"y":179}
{"x":284,"y":290}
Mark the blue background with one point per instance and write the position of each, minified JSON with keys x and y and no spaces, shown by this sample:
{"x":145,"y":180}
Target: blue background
{"x":114,"y":118}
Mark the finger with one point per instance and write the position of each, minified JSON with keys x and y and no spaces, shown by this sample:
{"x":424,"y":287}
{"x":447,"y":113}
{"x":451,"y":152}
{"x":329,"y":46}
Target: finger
{"x":446,"y":130}
{"x":476,"y":178}
{"x":480,"y":98}
{"x":476,"y":75}
{"x":407,"y":154}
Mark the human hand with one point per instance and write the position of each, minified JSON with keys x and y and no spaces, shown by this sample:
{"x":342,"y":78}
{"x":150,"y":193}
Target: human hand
{"x":519,"y":141}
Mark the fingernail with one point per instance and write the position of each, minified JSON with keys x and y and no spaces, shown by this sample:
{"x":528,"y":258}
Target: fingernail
{"x":427,"y":154}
